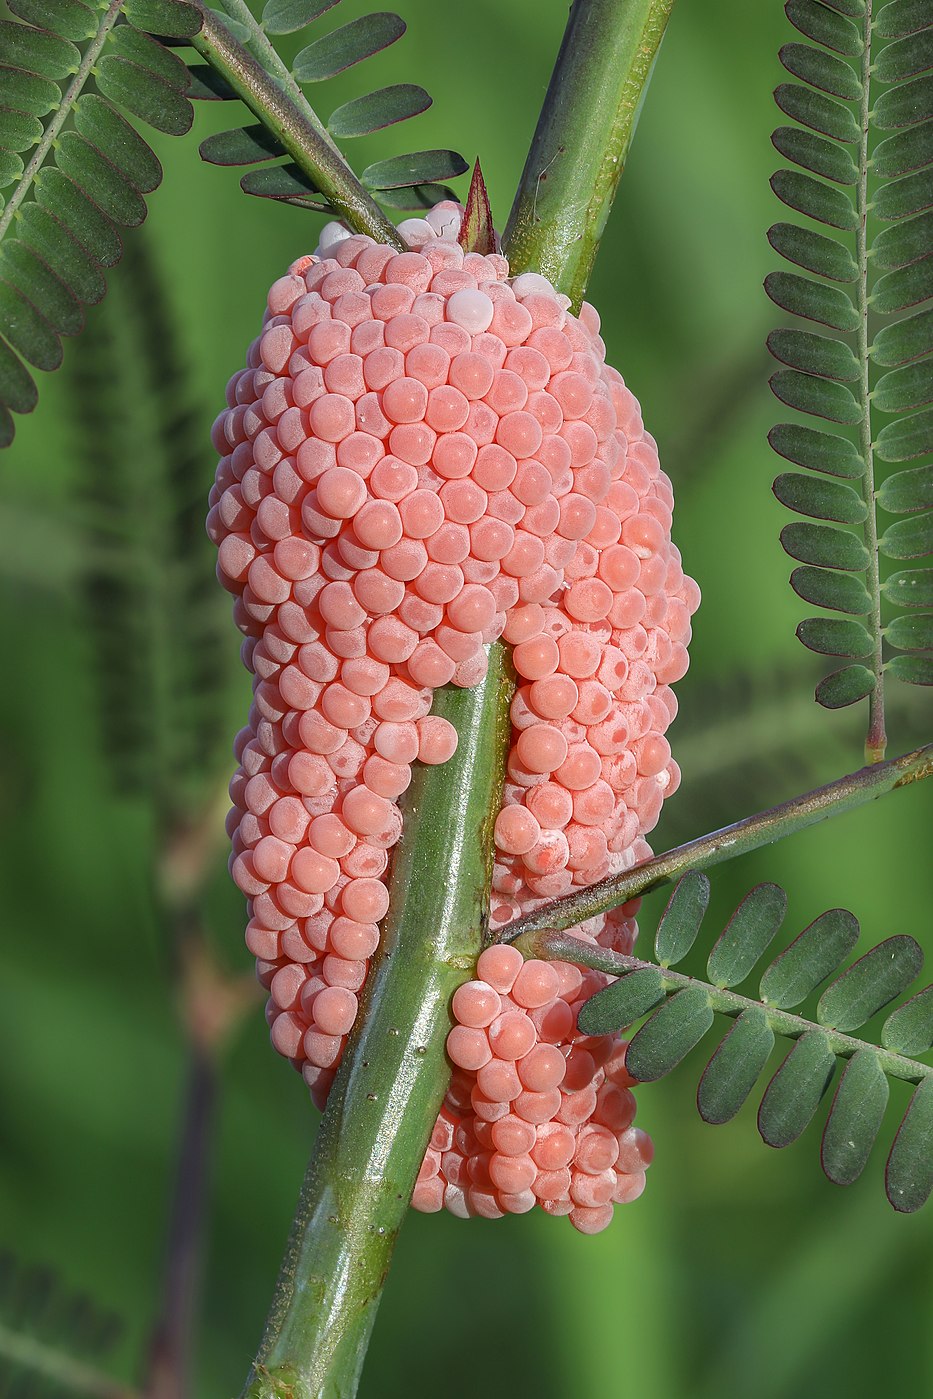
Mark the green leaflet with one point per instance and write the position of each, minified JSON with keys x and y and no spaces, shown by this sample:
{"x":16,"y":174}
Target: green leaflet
{"x":905,"y":58}
{"x":901,"y":17}
{"x":820,"y":498}
{"x":669,"y":1035}
{"x":379,"y":109}
{"x":870,"y":983}
{"x":900,"y":198}
{"x":287,"y":16}
{"x":246,"y":145}
{"x":735,"y":1068}
{"x":820,"y":397}
{"x":62,"y":197}
{"x":906,"y":151}
{"x":824,"y":26}
{"x":19,"y":131}
{"x":907,"y":287}
{"x":905,"y":491}
{"x":904,"y":340}
{"x":146,"y":94}
{"x":908,"y":387}
{"x":37,"y":51}
{"x":908,"y":539}
{"x":820,"y":451}
{"x":817,"y":200}
{"x":909,"y":1172}
{"x":912,"y":587}
{"x":844,"y":687}
{"x":747,"y":935}
{"x":825,"y":547}
{"x":904,"y":440}
{"x":909,"y":1029}
{"x":817,"y":111}
{"x":814,"y":354}
{"x":855,"y":1118}
{"x":794,"y":1093}
{"x":813,"y":300}
{"x":346,"y":46}
{"x":681,"y":919}
{"x":904,"y":243}
{"x":838,"y":592}
{"x":911,"y":632}
{"x":835,"y":636}
{"x":28,"y":92}
{"x":23,"y":269}
{"x":418,"y":168}
{"x":811,"y":958}
{"x":913,"y":670}
{"x":622,"y":1003}
{"x":282,"y":182}
{"x":69,"y":18}
{"x":102,"y":125}
{"x":905,"y":105}
{"x":822,"y":70}
{"x":813,"y":251}
{"x":104,"y":184}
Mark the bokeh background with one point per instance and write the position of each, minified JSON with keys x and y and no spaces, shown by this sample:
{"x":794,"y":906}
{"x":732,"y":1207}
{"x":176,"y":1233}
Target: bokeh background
{"x":741,"y":1269}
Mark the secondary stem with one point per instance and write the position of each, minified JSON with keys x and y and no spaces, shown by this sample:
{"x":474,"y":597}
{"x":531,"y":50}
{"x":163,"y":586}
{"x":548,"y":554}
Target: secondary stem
{"x":582,"y":140}
{"x":761,"y":829}
{"x":876,"y":739}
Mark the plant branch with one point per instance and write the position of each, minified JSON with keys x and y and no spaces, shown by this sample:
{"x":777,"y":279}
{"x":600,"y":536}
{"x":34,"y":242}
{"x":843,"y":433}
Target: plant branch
{"x":561,"y":947}
{"x":583,"y":138}
{"x":876,"y":739}
{"x":62,"y":1370}
{"x":301,"y":136}
{"x":764,"y":828}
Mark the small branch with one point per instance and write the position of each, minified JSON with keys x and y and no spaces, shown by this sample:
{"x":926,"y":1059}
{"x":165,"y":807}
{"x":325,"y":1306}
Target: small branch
{"x":876,"y":739}
{"x":762,"y":829}
{"x":583,"y":137}
{"x":561,"y":947}
{"x":298,"y":134}
{"x":59,"y":1369}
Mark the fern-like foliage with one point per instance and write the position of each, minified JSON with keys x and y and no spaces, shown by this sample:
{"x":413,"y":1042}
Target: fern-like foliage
{"x":681,"y":1010}
{"x":52,"y":1338}
{"x":408,"y":181}
{"x":73,"y":170}
{"x":161,"y":662}
{"x":861,"y":145}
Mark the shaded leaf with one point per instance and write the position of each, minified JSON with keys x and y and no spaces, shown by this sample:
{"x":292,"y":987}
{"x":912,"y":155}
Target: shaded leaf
{"x":814,"y":354}
{"x":622,"y":1003}
{"x":817,"y":111}
{"x":908,"y":539}
{"x":899,"y":198}
{"x":11,"y":167}
{"x":681,"y":919}
{"x":912,"y":587}
{"x":820,"y":451}
{"x":670,"y":1034}
{"x":908,"y":387}
{"x":904,"y":105}
{"x":905,"y":242}
{"x":906,"y":439}
{"x":911,"y":632}
{"x":813,"y":251}
{"x":870,"y":983}
{"x":815,"y":199}
{"x":844,"y":687}
{"x":907,"y":150}
{"x":64,"y":255}
{"x":285,"y":16}
{"x":824,"y":27}
{"x":378,"y":109}
{"x":101,"y":180}
{"x":900,"y":17}
{"x":909,"y":1173}
{"x":815,"y":153}
{"x":206,"y":85}
{"x":904,"y":340}
{"x":854,"y":1118}
{"x":823,"y":70}
{"x":147,"y":53}
{"x":28,"y":332}
{"x":904,"y":58}
{"x":350,"y":44}
{"x":416,"y":197}
{"x":418,"y":168}
{"x":746,"y":936}
{"x":793,"y":1095}
{"x":21,"y":267}
{"x":171,"y":17}
{"x":282,"y":182}
{"x":820,"y":397}
{"x":814,"y":301}
{"x":835,"y":636}
{"x":734,"y":1069}
{"x":909,"y":1029}
{"x":37,"y":51}
{"x":913,"y":670}
{"x":839,"y":592}
{"x":825,"y":547}
{"x":104,"y":128}
{"x":821,"y":498}
{"x":907,"y":491}
{"x":811,"y":958}
{"x":244,"y":145}
{"x":80,"y":215}
{"x":145,"y":94}
{"x":17,"y":390}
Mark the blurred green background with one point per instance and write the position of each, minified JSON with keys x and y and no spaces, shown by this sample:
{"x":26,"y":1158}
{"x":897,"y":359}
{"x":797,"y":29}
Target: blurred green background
{"x":741,"y":1269}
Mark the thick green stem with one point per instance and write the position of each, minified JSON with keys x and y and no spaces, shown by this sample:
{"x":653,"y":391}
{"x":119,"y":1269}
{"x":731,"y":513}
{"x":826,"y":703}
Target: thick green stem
{"x":394,"y":1073}
{"x":558,"y":946}
{"x":762,"y":829}
{"x":300,"y":136}
{"x":582,"y":141}
{"x":876,"y":739}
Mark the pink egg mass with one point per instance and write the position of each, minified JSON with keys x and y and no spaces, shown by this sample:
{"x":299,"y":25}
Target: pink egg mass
{"x":422,"y":456}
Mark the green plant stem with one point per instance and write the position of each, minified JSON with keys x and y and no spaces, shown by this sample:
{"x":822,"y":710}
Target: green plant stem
{"x":764,"y":828}
{"x":311,"y":151}
{"x":90,"y":56}
{"x":876,"y":739}
{"x":394,"y":1072}
{"x":64,"y":1372}
{"x":582,"y":140}
{"x":561,"y":947}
